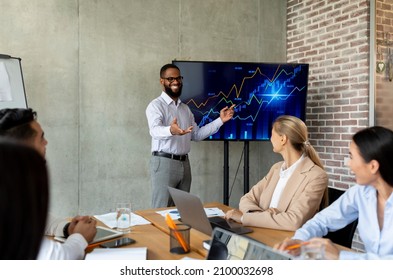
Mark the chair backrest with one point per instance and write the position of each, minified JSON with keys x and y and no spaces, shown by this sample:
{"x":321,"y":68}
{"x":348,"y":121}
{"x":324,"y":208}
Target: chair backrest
{"x":342,"y":236}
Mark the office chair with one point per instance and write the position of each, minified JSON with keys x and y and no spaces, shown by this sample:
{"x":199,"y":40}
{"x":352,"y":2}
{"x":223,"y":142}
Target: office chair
{"x":218,"y":250}
{"x":342,"y":236}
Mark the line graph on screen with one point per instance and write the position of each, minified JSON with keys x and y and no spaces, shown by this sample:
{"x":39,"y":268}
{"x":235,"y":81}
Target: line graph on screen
{"x":260,"y":91}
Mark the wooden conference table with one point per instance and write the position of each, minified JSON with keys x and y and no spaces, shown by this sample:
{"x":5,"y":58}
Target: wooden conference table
{"x":155,"y":236}
{"x":267,"y":236}
{"x":156,"y":242}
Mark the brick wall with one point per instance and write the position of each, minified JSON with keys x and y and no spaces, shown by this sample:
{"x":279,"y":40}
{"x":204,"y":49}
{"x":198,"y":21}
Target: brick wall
{"x":384,"y":78}
{"x":333,"y":37}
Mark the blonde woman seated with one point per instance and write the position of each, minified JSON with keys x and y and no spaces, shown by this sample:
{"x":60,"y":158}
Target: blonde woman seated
{"x":292,"y":192}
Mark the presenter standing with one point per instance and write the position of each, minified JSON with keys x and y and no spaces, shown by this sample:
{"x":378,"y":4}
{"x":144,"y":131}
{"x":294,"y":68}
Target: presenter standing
{"x":172,"y":127}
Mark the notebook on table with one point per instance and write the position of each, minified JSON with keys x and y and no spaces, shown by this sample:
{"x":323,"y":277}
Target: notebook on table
{"x":192,"y":213}
{"x":226,"y":245}
{"x":135,"y":253}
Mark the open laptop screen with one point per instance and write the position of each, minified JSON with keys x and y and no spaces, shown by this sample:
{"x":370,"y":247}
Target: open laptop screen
{"x":192,"y":213}
{"x":226,"y":245}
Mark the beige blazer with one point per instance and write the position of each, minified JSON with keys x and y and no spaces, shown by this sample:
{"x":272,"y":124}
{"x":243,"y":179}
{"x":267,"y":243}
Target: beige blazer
{"x":299,"y":201}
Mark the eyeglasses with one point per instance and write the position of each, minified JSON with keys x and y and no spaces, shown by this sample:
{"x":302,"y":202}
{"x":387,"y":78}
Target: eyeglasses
{"x":172,"y":79}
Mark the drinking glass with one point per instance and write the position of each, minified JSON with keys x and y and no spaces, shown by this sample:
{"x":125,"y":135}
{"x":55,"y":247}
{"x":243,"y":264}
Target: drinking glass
{"x":123,"y":216}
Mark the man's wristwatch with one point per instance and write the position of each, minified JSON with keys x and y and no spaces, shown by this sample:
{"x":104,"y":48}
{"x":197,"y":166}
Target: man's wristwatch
{"x":65,"y":230}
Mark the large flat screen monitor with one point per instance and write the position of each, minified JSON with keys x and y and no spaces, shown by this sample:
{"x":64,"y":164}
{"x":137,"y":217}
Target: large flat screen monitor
{"x":261,"y":92}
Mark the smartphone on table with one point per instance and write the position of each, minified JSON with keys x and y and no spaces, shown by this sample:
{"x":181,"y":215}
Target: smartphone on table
{"x":118,"y":243}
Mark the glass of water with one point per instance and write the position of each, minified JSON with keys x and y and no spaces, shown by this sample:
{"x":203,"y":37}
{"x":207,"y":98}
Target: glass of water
{"x":312,"y":251}
{"x":123,"y":216}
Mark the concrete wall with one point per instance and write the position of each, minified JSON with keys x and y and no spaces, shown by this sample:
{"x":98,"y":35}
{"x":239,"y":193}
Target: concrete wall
{"x":91,"y":67}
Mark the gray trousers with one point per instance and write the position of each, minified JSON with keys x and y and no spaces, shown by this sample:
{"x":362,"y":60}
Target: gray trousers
{"x":166,"y":172}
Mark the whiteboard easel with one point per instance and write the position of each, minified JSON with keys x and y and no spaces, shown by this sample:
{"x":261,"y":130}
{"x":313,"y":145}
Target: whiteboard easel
{"x":12,"y":88}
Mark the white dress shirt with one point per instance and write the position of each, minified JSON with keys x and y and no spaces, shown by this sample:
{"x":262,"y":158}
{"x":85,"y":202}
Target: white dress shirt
{"x":357,"y":202}
{"x":72,"y":249}
{"x":285,"y":174}
{"x":160,"y":114}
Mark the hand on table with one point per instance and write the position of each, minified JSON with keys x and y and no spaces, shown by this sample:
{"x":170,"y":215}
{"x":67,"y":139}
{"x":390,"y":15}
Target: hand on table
{"x":234,"y":214}
{"x":84,"y":225}
{"x":331,"y":250}
{"x":287,"y":242}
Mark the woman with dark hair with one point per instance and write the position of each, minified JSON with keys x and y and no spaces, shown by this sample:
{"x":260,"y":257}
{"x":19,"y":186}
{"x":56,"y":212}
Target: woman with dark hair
{"x":24,"y":195}
{"x":292,"y":192}
{"x":370,"y":201}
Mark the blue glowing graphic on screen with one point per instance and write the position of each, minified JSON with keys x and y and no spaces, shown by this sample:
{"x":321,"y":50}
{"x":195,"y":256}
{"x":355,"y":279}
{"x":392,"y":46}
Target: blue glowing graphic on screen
{"x":261,"y":92}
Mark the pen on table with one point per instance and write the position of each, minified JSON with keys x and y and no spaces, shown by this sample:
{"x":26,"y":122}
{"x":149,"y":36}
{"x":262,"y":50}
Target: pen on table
{"x":96,"y":244}
{"x":171,"y":224}
{"x":295,"y":246}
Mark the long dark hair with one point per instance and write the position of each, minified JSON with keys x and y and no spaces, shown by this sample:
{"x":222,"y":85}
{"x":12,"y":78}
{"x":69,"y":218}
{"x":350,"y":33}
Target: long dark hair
{"x":24,"y":199}
{"x":376,"y":143}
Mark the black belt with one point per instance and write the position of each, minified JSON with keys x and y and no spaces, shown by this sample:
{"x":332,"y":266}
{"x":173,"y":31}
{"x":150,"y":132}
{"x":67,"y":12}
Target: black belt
{"x":171,"y":156}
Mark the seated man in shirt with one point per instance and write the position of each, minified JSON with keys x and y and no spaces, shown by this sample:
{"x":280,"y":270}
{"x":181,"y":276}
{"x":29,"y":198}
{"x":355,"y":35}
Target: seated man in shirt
{"x":292,"y":191}
{"x":21,"y":125}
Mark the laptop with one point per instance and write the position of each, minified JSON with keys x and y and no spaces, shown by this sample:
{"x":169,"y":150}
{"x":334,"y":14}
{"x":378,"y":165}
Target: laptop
{"x":192,"y":213}
{"x":227,"y":245}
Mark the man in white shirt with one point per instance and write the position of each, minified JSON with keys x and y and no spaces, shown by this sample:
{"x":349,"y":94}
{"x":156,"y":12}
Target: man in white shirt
{"x":21,"y":125}
{"x":172,"y":127}
{"x":78,"y":231}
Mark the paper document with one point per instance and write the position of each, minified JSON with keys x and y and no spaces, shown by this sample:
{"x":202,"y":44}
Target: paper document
{"x":137,"y":253}
{"x":5,"y":86}
{"x":110,"y":219}
{"x":211,"y":212}
{"x":174,"y":213}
